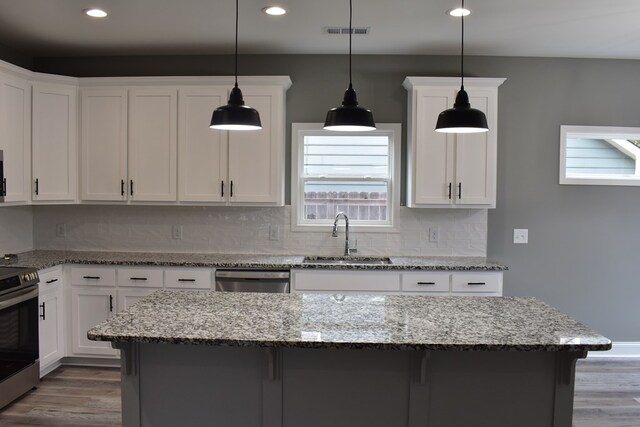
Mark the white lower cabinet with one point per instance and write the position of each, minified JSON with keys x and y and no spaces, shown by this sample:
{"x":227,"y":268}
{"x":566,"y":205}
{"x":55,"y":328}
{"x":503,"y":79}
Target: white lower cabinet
{"x":90,"y":306}
{"x":51,"y":315}
{"x":436,"y":283}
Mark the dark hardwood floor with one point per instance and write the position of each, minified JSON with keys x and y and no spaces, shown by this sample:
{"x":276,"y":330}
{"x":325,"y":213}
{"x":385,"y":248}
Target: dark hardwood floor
{"x":607,"y":395}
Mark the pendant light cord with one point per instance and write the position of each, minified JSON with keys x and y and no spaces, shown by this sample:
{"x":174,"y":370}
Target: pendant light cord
{"x":236,"y":58}
{"x":350,"y":36}
{"x":462,"y":50}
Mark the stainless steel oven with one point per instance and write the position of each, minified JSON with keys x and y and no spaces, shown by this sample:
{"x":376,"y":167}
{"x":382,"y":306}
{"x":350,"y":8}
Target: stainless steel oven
{"x":3,"y":180}
{"x":19,"y":349}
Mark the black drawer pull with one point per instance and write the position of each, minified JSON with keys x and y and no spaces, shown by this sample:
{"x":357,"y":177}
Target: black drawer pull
{"x":186,"y":280}
{"x":231,"y":195}
{"x":476,"y":283}
{"x":122,"y":187}
{"x":138,"y":278}
{"x":459,"y":190}
{"x":110,"y":303}
{"x":427,"y":283}
{"x":51,"y":281}
{"x":449,"y":191}
{"x":37,"y":186}
{"x":131,"y":187}
{"x":91,"y":277}
{"x":222,"y":189}
{"x":42,"y":315}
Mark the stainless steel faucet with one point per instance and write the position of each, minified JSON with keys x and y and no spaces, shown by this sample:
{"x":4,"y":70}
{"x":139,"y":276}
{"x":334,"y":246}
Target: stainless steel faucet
{"x":347,"y":249}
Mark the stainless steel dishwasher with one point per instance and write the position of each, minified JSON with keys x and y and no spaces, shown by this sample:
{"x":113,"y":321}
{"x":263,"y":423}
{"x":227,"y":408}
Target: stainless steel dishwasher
{"x":270,"y":281}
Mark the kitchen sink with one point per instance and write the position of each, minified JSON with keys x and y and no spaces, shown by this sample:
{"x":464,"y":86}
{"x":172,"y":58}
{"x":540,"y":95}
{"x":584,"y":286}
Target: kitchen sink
{"x":347,"y":260}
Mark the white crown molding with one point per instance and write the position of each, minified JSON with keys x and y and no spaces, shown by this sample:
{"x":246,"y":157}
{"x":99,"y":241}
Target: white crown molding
{"x":618,"y":349}
{"x":411,"y":81}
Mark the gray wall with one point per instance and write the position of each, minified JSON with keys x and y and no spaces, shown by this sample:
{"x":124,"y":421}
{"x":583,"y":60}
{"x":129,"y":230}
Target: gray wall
{"x":583,"y":251}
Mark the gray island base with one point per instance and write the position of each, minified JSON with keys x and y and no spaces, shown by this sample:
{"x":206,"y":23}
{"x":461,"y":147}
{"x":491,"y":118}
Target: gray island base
{"x":232,"y":359}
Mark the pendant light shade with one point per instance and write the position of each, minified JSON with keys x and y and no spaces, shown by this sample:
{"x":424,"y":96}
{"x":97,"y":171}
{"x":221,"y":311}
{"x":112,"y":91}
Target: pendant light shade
{"x":462,"y":118}
{"x":350,"y":117}
{"x":235,"y":115}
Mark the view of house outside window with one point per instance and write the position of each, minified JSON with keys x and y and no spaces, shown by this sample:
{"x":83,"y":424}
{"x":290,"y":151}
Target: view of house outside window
{"x":345,"y":172}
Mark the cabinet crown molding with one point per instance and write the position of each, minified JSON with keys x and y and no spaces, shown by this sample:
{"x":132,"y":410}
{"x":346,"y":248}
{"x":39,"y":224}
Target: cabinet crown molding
{"x":411,"y":81}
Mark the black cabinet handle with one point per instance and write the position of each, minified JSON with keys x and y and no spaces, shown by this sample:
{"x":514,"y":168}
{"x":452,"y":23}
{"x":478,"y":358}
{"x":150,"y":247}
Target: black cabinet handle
{"x":42,"y":315}
{"x":91,"y":277}
{"x":138,"y":278}
{"x":111,"y":303}
{"x":51,"y":281}
{"x":37,"y":186}
{"x":222,"y":188}
{"x":186,"y":280}
{"x":231,"y":195}
{"x":459,"y":190}
{"x":427,"y":283}
{"x":476,"y":283}
{"x":122,"y":187}
{"x":449,"y":191}
{"x":131,"y":187}
{"x":4,"y":186}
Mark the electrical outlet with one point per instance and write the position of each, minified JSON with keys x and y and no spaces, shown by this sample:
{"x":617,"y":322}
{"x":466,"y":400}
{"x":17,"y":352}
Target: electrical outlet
{"x":434,"y":234}
{"x":176,"y":232}
{"x":274,"y":232}
{"x":521,"y":236}
{"x":61,"y":230}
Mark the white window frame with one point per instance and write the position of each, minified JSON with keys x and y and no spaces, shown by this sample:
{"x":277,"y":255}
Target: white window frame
{"x":299,"y":131}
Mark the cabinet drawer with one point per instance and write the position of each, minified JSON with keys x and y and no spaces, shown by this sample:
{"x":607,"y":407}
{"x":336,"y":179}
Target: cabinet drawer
{"x":188,"y":278}
{"x":140,"y":277}
{"x":97,"y":276}
{"x":50,"y":278}
{"x":425,"y":282}
{"x":475,"y":282}
{"x":343,"y":280}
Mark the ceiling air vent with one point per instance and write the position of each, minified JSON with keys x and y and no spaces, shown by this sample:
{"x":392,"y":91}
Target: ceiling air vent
{"x":345,"y":30}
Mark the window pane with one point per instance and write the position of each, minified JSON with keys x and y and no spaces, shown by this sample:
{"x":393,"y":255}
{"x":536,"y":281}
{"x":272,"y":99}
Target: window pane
{"x":600,"y":156}
{"x":362,"y":201}
{"x":345,"y":156}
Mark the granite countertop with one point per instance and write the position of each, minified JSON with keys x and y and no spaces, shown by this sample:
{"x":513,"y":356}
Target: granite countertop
{"x":349,"y":321}
{"x":41,"y":259}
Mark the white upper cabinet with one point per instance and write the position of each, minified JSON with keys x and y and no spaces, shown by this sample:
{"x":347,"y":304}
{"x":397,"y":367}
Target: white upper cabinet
{"x":202,"y":152}
{"x":54,"y":148}
{"x":450,"y":170}
{"x":15,"y":137}
{"x":153,"y":117}
{"x":256,"y":158}
{"x":231,"y":167}
{"x":103,"y":144}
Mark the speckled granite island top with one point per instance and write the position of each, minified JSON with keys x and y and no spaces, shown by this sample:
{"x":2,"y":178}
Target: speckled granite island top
{"x":44,"y":259}
{"x":349,"y":321}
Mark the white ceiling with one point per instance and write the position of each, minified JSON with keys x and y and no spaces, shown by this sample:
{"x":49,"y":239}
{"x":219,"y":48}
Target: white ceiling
{"x":554,"y":28}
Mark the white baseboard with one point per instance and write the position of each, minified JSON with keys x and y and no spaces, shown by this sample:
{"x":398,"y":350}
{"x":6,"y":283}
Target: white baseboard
{"x":619,"y":349}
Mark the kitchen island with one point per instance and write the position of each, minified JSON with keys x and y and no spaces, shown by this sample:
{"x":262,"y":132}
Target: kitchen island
{"x":243,"y":359}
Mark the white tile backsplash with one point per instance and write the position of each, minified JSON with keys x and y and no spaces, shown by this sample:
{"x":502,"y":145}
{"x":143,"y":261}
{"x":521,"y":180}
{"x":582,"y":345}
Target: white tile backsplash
{"x":16,"y":229}
{"x":246,"y":230}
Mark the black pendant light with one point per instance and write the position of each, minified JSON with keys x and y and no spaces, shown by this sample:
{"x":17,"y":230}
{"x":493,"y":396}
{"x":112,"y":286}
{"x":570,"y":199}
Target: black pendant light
{"x":350,"y":116}
{"x":235,"y":115}
{"x":462,"y":118}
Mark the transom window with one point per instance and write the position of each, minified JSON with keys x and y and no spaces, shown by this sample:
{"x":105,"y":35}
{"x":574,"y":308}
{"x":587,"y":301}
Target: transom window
{"x":351,"y":172}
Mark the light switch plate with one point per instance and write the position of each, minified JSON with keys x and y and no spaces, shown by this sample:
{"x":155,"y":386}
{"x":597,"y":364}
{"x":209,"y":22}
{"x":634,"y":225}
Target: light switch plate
{"x":521,"y":236}
{"x":176,"y":232}
{"x":434,"y":234}
{"x":274,"y":232}
{"x":61,"y":229}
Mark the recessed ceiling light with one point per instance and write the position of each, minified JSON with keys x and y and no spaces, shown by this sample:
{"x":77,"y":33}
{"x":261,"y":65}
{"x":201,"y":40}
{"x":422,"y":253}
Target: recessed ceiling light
{"x":95,"y":13}
{"x":274,"y":10}
{"x":457,"y":12}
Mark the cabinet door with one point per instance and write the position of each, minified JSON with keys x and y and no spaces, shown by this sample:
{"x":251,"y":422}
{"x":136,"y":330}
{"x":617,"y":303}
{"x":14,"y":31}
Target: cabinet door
{"x":15,"y":137}
{"x":476,"y":156}
{"x":432,"y":156}
{"x":89,"y":307}
{"x":54,"y":147}
{"x":256,"y":158}
{"x":202,"y":152}
{"x":129,"y":296}
{"x":103,"y":145}
{"x":51,"y":326}
{"x":153,"y":144}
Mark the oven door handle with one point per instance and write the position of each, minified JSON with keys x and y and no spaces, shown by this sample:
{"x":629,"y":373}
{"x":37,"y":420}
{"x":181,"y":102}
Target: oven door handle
{"x":15,"y":298}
